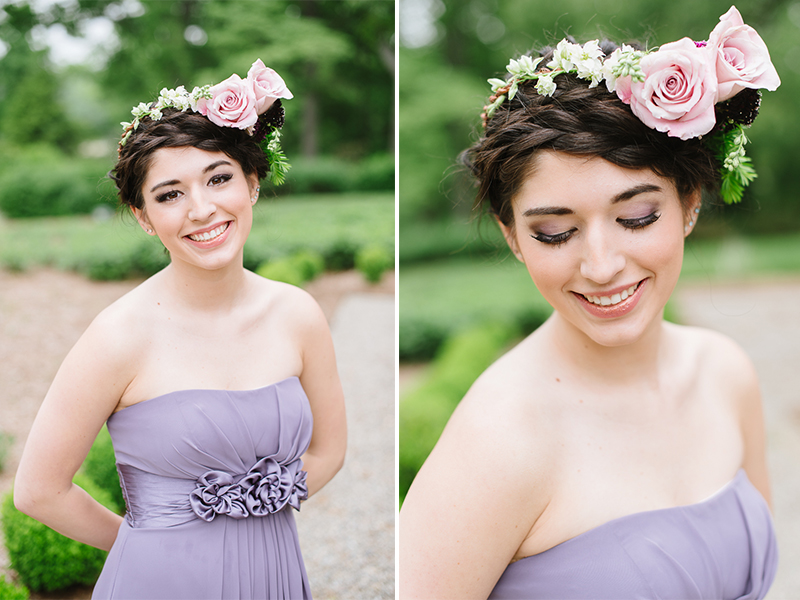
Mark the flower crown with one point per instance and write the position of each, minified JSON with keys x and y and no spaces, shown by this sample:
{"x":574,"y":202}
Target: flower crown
{"x":685,"y":89}
{"x":251,"y":104}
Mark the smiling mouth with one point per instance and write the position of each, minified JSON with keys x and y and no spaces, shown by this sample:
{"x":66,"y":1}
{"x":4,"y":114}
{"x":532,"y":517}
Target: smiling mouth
{"x":613,"y":299}
{"x":209,"y":235}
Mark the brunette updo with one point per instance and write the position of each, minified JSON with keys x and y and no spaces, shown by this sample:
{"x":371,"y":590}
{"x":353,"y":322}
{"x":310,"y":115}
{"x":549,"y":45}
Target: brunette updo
{"x":580,"y":121}
{"x":178,"y":129}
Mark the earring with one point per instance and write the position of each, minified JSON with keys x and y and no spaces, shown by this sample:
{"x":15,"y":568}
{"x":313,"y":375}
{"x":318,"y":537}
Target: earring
{"x":255,"y":196}
{"x":150,"y":231}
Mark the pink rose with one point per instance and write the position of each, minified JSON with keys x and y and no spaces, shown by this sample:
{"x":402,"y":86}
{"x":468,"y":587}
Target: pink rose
{"x":232,"y":103}
{"x":678,"y":93}
{"x":742,"y":58}
{"x":267,"y":85}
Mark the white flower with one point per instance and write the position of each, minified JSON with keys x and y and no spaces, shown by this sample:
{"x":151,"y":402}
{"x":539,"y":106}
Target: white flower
{"x":141,"y":110}
{"x":588,"y":62}
{"x":565,"y":55}
{"x":524,"y":65}
{"x":496,"y":84}
{"x":545,"y":84}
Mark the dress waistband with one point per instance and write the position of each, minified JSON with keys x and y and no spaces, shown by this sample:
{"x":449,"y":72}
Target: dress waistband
{"x":159,"y":501}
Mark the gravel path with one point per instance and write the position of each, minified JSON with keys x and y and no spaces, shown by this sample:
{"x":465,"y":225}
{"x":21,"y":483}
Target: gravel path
{"x":763,"y":318}
{"x":347,"y":530}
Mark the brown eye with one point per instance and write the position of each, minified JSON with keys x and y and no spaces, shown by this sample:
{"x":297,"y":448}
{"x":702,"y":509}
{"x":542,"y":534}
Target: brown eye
{"x":167,"y":196}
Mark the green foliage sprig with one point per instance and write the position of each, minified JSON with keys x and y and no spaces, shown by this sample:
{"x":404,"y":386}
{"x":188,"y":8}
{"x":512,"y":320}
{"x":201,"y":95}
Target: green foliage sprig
{"x":737,"y":169}
{"x":278,"y":162}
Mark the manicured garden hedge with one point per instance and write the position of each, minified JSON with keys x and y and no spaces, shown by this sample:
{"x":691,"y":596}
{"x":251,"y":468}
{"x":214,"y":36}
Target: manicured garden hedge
{"x":44,"y":559}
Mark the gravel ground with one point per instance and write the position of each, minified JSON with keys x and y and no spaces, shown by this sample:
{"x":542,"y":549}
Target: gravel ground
{"x":347,"y":530}
{"x":763,"y":318}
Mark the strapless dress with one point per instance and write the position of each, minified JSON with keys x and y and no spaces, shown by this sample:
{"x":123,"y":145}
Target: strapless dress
{"x":721,"y":548}
{"x":209,"y":478}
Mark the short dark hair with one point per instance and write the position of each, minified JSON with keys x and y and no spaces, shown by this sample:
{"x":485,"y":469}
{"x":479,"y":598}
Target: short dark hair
{"x":178,"y":129}
{"x":581,"y":121}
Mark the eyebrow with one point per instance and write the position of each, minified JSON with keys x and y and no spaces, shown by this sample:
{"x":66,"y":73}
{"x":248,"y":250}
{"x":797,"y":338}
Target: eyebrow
{"x":621,"y":197}
{"x":208,"y":169}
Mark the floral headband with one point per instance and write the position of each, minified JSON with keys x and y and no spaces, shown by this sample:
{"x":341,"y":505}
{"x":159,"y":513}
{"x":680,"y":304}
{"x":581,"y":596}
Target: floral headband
{"x":252,"y":104}
{"x":685,"y":89}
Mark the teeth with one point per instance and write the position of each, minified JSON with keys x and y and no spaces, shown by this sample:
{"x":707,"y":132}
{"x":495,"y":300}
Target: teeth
{"x":209,"y":235}
{"x":611,"y":300}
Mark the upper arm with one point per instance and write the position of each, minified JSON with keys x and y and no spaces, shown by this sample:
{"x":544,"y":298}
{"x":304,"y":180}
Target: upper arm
{"x":751,"y":419}
{"x":320,"y":379}
{"x":84,"y":392}
{"x":470,"y":506}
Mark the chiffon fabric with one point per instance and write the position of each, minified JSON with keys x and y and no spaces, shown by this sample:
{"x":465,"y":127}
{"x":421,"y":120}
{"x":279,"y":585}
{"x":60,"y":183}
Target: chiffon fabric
{"x":721,"y":548}
{"x":210,"y":478}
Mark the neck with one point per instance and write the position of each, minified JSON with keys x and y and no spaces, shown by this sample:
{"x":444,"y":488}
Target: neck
{"x":632,"y":364}
{"x":206,"y":290}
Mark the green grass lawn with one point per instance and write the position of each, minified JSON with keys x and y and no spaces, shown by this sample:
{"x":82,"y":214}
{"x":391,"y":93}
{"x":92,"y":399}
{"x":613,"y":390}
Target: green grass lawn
{"x":281,"y":226}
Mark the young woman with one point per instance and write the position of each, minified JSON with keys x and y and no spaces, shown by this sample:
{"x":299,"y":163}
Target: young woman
{"x":219,"y":386}
{"x":610,"y":454}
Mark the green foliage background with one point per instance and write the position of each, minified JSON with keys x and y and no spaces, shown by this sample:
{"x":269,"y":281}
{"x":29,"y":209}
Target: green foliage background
{"x":59,"y":125}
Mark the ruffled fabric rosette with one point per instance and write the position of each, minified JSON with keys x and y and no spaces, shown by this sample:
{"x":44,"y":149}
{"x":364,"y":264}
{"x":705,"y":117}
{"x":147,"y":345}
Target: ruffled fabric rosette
{"x":252,"y":104}
{"x":267,"y":488}
{"x":686,"y":89}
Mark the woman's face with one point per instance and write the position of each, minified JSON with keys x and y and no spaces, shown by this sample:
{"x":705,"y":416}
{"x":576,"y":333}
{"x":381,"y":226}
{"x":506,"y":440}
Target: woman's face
{"x":603,"y":244}
{"x":199,"y":203}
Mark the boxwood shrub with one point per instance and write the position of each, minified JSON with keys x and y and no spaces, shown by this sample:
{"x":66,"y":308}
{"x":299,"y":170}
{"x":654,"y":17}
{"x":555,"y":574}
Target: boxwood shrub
{"x":373,"y":261}
{"x":100,"y":466}
{"x":9,"y":591}
{"x":44,"y":559}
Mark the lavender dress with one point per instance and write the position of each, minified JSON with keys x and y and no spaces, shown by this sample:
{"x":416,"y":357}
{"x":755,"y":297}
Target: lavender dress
{"x":721,"y":548}
{"x":209,"y":478}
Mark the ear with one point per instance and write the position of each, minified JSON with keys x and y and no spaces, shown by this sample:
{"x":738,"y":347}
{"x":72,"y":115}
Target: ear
{"x":254,"y":187}
{"x":141,"y":217}
{"x":693,"y":212}
{"x":510,"y":236}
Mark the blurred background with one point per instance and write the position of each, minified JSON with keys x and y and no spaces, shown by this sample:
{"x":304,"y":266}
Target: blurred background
{"x":70,"y":72}
{"x":464,"y":300}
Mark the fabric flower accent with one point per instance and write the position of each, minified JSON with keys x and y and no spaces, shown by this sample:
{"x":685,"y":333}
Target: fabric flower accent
{"x":742,"y":57}
{"x":678,"y":92}
{"x":232,"y":103}
{"x":217,"y":494}
{"x":267,"y":85}
{"x":271,"y":486}
{"x":267,"y":488}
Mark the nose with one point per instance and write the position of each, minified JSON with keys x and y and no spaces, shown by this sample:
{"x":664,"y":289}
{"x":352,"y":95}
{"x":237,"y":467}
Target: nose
{"x":602,"y":257}
{"x":202,"y":206}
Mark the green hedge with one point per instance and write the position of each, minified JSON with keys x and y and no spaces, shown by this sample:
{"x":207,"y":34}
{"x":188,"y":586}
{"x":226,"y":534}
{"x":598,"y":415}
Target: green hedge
{"x":9,"y":591}
{"x":39,"y":181}
{"x":100,"y":466}
{"x":373,"y":261}
{"x":330,"y":174}
{"x":425,"y":410}
{"x":46,"y":560}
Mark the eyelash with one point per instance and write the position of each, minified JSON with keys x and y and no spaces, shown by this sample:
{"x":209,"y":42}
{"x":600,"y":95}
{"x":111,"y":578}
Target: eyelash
{"x":218,"y":179}
{"x":632,"y":224}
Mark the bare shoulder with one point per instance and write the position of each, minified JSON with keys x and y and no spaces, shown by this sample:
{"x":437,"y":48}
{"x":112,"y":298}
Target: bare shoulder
{"x":289,"y":302}
{"x":721,"y":359}
{"x":480,"y":491}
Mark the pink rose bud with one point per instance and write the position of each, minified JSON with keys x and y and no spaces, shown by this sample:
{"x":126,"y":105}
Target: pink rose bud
{"x":232,"y":104}
{"x":267,"y":85}
{"x":742,"y":58}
